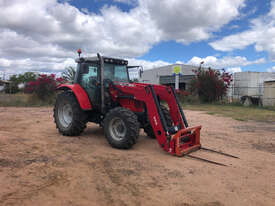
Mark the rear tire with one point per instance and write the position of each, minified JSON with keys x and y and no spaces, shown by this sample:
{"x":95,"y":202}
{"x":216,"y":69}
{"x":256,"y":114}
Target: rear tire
{"x":69,"y":118}
{"x":148,"y":128}
{"x":121,"y":128}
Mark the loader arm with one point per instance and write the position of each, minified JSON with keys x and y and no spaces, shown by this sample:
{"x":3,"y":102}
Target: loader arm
{"x":178,"y":139}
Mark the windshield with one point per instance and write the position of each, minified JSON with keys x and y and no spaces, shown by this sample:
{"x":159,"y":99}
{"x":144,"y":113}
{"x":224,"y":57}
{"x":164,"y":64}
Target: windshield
{"x":117,"y":73}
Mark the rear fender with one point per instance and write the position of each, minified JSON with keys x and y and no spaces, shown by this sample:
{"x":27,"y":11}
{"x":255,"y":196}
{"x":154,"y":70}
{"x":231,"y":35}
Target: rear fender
{"x":79,"y":93}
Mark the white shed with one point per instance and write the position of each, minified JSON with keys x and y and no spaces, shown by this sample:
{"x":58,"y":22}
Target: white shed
{"x":250,"y":83}
{"x":269,"y":93}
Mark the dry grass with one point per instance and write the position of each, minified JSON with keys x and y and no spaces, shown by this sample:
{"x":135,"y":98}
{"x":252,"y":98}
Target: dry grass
{"x":22,"y":100}
{"x":237,"y":112}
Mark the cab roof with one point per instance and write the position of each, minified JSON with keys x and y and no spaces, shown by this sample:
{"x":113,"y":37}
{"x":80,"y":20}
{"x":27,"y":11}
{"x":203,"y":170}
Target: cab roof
{"x":106,"y":60}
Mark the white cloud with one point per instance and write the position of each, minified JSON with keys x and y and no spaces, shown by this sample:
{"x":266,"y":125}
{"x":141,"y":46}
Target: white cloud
{"x":224,"y":62}
{"x":65,"y":28}
{"x":234,"y":69}
{"x":130,"y":2}
{"x":187,"y":21}
{"x":234,"y":27}
{"x":49,"y":65}
{"x":238,"y":41}
{"x":261,"y":34}
{"x":4,"y":62}
{"x":32,"y":31}
{"x":272,"y":69}
{"x":147,"y":64}
{"x":55,"y":65}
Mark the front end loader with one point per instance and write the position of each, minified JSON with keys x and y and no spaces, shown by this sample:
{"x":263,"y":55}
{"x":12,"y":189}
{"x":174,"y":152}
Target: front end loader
{"x":168,"y":124}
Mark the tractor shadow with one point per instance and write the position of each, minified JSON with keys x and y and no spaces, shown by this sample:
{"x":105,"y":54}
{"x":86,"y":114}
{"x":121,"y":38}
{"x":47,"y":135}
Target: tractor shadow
{"x":93,"y":131}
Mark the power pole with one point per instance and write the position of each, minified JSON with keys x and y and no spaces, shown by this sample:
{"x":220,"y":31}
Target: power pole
{"x":176,"y":72}
{"x":177,"y":81}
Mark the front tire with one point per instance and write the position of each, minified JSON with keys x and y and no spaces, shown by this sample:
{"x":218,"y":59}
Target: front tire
{"x":69,"y":118}
{"x":121,"y":128}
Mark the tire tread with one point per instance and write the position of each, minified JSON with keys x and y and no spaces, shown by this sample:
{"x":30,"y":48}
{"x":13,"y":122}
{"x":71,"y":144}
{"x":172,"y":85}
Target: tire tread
{"x":79,"y":117}
{"x":132,"y":125}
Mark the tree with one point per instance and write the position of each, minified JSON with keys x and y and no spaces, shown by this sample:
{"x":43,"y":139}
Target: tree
{"x":69,"y":74}
{"x":12,"y":87}
{"x":15,"y":80}
{"x":210,"y":85}
{"x":44,"y":86}
{"x":23,"y":78}
{"x":26,"y":77}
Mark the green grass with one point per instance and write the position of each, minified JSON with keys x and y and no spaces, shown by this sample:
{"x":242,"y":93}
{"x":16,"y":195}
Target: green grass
{"x":237,"y":112}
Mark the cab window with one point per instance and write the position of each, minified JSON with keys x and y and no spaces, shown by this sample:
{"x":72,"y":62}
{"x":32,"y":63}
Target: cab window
{"x":121,"y":73}
{"x":90,"y":75}
{"x":116,"y":72}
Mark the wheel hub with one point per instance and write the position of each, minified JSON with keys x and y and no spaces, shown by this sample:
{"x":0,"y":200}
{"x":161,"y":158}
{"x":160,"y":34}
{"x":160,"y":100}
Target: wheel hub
{"x":117,"y":128}
{"x":65,"y":114}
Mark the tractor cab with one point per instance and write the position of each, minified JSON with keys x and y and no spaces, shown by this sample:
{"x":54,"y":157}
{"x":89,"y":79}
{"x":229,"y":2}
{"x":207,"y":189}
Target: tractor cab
{"x":89,"y":69}
{"x":92,"y":70}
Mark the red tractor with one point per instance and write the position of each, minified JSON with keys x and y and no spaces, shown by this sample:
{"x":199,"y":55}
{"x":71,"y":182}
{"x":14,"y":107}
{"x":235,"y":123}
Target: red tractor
{"x":103,"y":93}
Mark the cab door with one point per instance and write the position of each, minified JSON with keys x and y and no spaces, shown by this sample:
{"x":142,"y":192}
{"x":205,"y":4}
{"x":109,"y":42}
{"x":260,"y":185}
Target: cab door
{"x":89,"y":80}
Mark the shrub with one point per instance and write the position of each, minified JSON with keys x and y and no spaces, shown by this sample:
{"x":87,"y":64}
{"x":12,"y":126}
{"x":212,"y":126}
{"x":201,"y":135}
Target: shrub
{"x":44,"y":87}
{"x":210,"y":85}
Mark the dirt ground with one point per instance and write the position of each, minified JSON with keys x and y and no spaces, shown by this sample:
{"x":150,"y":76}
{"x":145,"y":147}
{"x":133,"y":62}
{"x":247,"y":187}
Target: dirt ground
{"x":38,"y":166}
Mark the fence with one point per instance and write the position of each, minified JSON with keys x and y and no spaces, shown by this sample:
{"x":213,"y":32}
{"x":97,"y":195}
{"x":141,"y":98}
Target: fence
{"x":261,"y":95}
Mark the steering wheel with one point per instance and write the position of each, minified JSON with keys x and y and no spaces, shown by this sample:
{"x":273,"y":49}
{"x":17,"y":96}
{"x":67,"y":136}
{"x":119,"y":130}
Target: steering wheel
{"x":107,"y":82}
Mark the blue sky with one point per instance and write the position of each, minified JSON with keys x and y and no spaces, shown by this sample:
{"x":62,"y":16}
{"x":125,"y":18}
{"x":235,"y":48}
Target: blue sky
{"x":171,"y":51}
{"x":238,"y":35}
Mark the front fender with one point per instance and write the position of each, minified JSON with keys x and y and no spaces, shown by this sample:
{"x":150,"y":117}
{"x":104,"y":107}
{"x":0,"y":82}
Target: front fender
{"x":79,"y":93}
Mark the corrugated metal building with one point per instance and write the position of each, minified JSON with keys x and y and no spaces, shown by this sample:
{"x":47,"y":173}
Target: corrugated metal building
{"x":164,"y":75}
{"x":249,"y":83}
{"x":269,"y":93}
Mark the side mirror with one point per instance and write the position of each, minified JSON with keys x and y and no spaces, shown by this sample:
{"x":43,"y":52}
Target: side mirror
{"x":84,"y":69}
{"x":140,"y":71}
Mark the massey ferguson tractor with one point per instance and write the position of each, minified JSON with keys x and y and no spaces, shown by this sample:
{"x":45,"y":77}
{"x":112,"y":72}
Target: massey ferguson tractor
{"x":103,"y":93}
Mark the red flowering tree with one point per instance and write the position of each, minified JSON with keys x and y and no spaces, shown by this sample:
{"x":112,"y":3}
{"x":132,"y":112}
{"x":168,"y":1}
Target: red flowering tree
{"x":210,"y":85}
{"x":44,"y":86}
